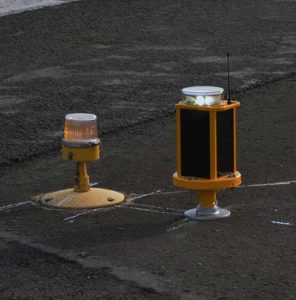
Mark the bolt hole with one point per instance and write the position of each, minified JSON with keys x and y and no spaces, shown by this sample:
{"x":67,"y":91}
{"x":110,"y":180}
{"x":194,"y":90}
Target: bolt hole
{"x":110,"y":199}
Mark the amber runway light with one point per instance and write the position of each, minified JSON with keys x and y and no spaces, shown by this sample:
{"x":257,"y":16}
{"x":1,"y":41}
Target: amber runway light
{"x":81,"y":144}
{"x":206,"y":148}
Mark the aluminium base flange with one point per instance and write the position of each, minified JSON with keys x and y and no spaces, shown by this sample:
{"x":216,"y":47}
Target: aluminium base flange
{"x":94,"y":198}
{"x":207,"y":214}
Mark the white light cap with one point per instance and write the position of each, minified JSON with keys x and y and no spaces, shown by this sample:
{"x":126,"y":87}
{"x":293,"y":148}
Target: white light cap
{"x":81,"y":130}
{"x":202,"y":91}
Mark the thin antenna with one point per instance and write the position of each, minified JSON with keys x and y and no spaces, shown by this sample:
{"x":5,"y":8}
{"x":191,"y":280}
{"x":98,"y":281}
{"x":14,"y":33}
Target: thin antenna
{"x":228,"y":80}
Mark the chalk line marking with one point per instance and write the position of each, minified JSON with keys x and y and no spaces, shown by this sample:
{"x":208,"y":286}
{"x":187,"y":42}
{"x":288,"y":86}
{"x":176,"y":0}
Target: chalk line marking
{"x":15,"y":205}
{"x":135,"y":206}
{"x":281,"y":223}
{"x":184,"y":222}
{"x":268,"y":184}
{"x":164,"y":211}
{"x":156,"y":207}
{"x":71,"y":218}
{"x":68,"y":197}
{"x":143,"y":196}
{"x":94,"y":183}
{"x":158,"y":192}
{"x":86,"y":212}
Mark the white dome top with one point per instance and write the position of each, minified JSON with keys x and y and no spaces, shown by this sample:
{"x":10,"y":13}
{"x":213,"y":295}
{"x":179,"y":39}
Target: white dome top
{"x":202,"y":90}
{"x":80,"y":117}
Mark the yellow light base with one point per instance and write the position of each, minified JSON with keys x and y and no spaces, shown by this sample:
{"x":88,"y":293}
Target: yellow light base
{"x":94,"y":198}
{"x":219,"y":183}
{"x":81,"y":154}
{"x":207,"y":189}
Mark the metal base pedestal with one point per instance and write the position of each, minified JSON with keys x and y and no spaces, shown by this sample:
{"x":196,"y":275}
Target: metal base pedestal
{"x":93,"y":198}
{"x":207,"y":214}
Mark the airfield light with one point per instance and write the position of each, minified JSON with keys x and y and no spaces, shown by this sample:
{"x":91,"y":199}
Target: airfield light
{"x":202,"y":95}
{"x":81,"y":144}
{"x":206,"y":148}
{"x":80,"y":130}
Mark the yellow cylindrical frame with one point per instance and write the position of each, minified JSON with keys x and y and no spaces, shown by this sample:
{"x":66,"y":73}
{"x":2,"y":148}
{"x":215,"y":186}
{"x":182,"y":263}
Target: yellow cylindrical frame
{"x":207,"y":187}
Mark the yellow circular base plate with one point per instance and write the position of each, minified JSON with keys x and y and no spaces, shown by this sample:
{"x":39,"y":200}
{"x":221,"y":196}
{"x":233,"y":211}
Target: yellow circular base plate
{"x":94,"y":198}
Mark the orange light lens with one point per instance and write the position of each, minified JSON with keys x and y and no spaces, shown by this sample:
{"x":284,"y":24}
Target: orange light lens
{"x":80,"y":129}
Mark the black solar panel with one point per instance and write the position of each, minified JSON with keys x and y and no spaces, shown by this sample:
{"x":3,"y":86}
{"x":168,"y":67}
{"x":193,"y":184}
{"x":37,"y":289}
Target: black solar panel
{"x":195,"y":143}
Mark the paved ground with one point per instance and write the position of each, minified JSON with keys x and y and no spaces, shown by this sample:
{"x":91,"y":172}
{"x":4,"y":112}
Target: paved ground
{"x":146,"y":243}
{"x":130,"y":72}
{"x":127,"y":61}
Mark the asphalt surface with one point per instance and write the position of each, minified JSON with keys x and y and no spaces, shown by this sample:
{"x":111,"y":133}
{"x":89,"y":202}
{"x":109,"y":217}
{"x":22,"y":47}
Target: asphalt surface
{"x":146,"y":243}
{"x":27,"y":273}
{"x":75,"y":57}
{"x":127,"y":61}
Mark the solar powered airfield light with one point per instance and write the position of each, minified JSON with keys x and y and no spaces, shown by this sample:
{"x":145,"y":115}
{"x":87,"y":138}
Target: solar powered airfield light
{"x":206,"y":148}
{"x":81,"y":144}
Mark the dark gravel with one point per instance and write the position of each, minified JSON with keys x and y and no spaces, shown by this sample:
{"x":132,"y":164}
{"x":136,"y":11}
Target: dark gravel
{"x":126,"y":61}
